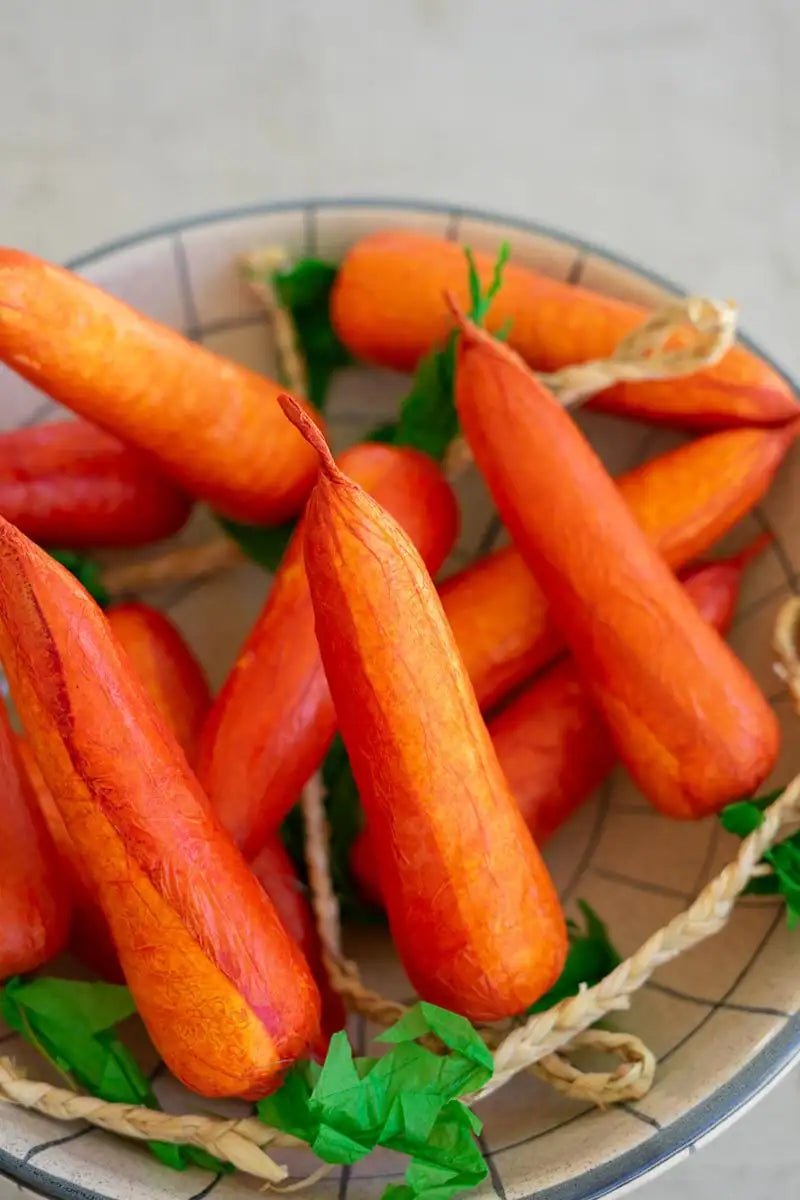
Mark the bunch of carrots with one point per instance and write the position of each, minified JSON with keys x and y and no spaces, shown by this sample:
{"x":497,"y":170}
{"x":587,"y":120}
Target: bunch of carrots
{"x":143,"y":815}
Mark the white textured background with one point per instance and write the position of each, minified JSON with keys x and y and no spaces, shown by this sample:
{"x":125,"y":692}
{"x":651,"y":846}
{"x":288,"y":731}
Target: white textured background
{"x":670,"y":132}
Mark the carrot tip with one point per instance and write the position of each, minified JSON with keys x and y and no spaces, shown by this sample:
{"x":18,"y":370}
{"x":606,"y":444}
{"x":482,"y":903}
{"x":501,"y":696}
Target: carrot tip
{"x":305,"y":426}
{"x":460,"y":317}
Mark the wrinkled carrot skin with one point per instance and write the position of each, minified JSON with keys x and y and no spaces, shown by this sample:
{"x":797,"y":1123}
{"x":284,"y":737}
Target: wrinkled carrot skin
{"x":274,"y":720}
{"x":684,"y":501}
{"x":170,"y":672}
{"x":473,"y":912}
{"x":34,"y":898}
{"x":551,"y":742}
{"x":213,"y":426}
{"x":686,"y":719}
{"x":273,"y":869}
{"x":226,"y":995}
{"x":388,"y":308}
{"x":68,"y":483}
{"x":90,"y":936}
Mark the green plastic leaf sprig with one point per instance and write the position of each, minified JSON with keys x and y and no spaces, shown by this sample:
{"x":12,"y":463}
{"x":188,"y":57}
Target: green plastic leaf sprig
{"x":408,"y":1100}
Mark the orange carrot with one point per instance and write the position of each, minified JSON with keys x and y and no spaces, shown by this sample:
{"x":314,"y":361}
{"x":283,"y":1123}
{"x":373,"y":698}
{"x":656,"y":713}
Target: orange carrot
{"x":67,"y":483}
{"x":473,"y":912}
{"x":388,"y":308}
{"x":554,"y":746}
{"x":225,"y":994}
{"x":273,"y":869}
{"x":683,"y":500}
{"x":686,"y":719}
{"x":90,"y":935}
{"x":212,"y":425}
{"x":33,"y":892}
{"x":274,"y":720}
{"x":172,"y":676}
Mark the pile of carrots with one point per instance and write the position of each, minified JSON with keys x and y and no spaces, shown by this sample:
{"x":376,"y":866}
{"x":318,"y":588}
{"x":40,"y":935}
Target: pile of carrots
{"x":143,"y":815}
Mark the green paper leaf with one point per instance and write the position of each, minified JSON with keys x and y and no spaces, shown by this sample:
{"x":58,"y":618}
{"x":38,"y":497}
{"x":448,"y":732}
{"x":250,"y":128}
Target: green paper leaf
{"x":406,"y":1101}
{"x":428,"y":419}
{"x":87,"y":571}
{"x":590,"y":958}
{"x":264,"y":544}
{"x":742,"y":819}
{"x":304,"y":289}
{"x":386,"y":434}
{"x":72,"y":1023}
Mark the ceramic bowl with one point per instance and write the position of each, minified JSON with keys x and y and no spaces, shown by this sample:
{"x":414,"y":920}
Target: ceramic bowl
{"x":723,"y":1019}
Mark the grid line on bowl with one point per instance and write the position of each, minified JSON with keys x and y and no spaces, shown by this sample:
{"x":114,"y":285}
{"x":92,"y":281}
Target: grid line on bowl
{"x":576,"y":270}
{"x":185,"y":286}
{"x":62,"y":1141}
{"x":726,"y":1005}
{"x":642,"y":885}
{"x":494,"y":1173}
{"x":585,"y":861}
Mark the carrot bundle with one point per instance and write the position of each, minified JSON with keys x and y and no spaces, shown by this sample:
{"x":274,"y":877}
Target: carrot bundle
{"x":67,"y":483}
{"x":224,"y":992}
{"x":388,"y":308}
{"x":211,"y":425}
{"x":274,"y":719}
{"x":33,"y":892}
{"x":473,"y":913}
{"x":686,"y":719}
{"x":684,"y":501}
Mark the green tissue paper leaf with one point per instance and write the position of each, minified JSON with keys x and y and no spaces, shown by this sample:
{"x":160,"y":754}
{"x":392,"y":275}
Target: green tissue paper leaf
{"x":72,"y":1024}
{"x":264,"y":544}
{"x":87,"y":571}
{"x":590,"y":958}
{"x":304,"y":289}
{"x":742,"y":819}
{"x":428,"y":419}
{"x":407,"y":1100}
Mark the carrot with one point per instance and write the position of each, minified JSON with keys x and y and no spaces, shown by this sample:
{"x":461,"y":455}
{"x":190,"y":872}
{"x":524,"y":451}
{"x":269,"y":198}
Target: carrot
{"x":472,"y":910}
{"x":33,"y":892}
{"x":225,"y":994}
{"x":90,"y":936}
{"x":274,"y":719}
{"x":551,"y":742}
{"x":212,"y":426}
{"x":67,"y":483}
{"x":683,"y":500}
{"x":686,"y":719}
{"x":273,"y":869}
{"x":172,"y":676}
{"x":554,"y":746}
{"x":388,"y":308}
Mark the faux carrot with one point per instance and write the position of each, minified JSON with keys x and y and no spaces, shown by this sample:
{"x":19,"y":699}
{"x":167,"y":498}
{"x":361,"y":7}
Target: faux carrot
{"x":224,"y":992}
{"x":387,"y":307}
{"x":33,"y":893}
{"x":68,"y":483}
{"x":686,"y":719}
{"x":213,"y":426}
{"x":90,"y":935}
{"x":683,"y":500}
{"x":554,"y":746}
{"x":273,"y":869}
{"x":172,"y":676}
{"x":274,"y":719}
{"x":473,"y":912}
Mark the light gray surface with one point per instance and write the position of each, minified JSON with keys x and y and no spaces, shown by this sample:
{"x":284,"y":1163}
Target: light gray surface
{"x":668,"y":132}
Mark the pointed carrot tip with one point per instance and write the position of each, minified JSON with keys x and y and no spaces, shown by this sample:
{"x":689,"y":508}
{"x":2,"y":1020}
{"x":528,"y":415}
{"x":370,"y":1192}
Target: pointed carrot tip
{"x":305,"y":426}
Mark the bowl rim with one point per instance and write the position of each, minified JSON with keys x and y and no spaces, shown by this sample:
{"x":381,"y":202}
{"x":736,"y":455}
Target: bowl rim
{"x":766,"y":1068}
